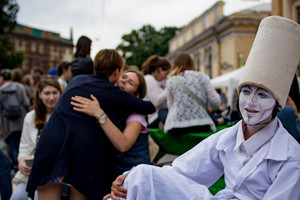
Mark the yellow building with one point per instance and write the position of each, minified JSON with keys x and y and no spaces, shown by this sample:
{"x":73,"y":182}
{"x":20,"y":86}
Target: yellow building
{"x":42,"y":49}
{"x":289,"y":9}
{"x":219,"y":43}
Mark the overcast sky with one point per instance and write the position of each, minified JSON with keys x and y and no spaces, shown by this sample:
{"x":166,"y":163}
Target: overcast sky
{"x":105,"y":21}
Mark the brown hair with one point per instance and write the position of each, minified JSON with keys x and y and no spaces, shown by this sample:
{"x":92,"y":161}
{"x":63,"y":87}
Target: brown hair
{"x":38,"y":105}
{"x":63,"y":66}
{"x":142,"y":88}
{"x":83,"y":47}
{"x":36,"y":75}
{"x":107,"y":61}
{"x":153,"y":63}
{"x":182,"y":62}
{"x":26,"y":79}
{"x":17,"y":75}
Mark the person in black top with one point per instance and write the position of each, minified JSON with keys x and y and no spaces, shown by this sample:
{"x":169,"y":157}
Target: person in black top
{"x":73,"y":149}
{"x":81,"y":63}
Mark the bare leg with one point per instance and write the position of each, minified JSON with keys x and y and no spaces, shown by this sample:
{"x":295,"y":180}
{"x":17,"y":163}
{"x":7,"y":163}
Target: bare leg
{"x":50,"y":191}
{"x":76,"y":195}
{"x":221,"y":121}
{"x":224,"y":112}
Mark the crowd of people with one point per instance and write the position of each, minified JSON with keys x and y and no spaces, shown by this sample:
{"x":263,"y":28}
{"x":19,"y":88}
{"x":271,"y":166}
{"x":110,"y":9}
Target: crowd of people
{"x":85,"y":122}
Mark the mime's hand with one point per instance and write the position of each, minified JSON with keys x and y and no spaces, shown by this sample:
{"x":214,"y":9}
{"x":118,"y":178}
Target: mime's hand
{"x":117,"y":189}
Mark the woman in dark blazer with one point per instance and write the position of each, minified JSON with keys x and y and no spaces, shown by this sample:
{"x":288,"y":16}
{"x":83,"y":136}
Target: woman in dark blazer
{"x":73,"y":149}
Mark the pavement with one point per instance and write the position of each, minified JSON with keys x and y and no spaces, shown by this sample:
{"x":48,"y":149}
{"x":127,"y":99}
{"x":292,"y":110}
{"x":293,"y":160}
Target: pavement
{"x":166,"y":159}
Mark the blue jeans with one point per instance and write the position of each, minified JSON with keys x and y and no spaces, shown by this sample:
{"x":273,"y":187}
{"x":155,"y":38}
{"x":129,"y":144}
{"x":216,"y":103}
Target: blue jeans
{"x":14,"y":141}
{"x":20,"y":193}
{"x":5,"y":179}
{"x":162,"y":116}
{"x":288,"y":118}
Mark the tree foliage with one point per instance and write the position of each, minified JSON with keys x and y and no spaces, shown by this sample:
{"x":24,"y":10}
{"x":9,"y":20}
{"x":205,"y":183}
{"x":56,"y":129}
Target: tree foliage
{"x":8,"y":17}
{"x":138,"y":45}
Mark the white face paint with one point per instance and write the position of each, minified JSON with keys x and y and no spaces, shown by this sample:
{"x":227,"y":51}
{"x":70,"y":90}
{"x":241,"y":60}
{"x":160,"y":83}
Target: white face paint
{"x":256,"y":104}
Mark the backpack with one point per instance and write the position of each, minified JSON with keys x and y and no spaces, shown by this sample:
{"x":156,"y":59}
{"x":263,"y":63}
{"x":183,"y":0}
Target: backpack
{"x":11,"y":106}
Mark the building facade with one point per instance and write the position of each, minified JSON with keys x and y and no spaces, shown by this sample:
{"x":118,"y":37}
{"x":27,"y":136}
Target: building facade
{"x":42,"y":49}
{"x":219,"y":43}
{"x":289,"y":9}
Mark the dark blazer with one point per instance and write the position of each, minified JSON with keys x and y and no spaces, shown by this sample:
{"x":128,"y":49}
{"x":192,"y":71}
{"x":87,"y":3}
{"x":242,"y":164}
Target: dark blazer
{"x":73,"y":145}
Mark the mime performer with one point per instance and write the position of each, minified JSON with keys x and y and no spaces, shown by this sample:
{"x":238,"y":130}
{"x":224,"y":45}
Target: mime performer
{"x":258,"y":157}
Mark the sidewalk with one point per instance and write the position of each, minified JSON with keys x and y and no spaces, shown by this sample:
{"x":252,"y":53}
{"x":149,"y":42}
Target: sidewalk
{"x":166,"y":159}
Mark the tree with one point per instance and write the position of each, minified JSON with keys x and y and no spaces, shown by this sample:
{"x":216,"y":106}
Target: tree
{"x":137,"y":46}
{"x":8,"y":16}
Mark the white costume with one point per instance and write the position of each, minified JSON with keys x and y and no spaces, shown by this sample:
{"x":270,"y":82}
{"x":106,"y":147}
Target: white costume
{"x":254,"y":169}
{"x":264,"y":166}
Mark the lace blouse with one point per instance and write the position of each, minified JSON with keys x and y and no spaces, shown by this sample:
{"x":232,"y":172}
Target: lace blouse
{"x":184,"y":111}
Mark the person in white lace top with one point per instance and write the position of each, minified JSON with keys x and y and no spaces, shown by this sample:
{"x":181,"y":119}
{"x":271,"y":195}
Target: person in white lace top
{"x":185,"y":113}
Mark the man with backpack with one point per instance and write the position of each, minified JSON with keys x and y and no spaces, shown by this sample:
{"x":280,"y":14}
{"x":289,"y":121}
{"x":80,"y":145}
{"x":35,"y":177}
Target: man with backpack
{"x":14,"y":104}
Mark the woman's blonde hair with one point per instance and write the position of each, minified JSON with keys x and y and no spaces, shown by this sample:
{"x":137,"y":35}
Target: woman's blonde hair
{"x":182,"y":62}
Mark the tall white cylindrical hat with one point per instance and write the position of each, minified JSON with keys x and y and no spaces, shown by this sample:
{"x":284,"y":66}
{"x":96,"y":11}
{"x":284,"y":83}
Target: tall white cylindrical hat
{"x":274,"y":57}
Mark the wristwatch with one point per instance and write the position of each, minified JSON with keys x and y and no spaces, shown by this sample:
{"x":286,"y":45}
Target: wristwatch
{"x":102,"y":118}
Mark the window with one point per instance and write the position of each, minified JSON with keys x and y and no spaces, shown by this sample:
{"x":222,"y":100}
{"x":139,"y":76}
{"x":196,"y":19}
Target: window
{"x":240,"y":59}
{"x":36,"y":62}
{"x":204,"y":23}
{"x":193,"y":31}
{"x":208,"y":62}
{"x":33,"y":47}
{"x":20,"y":43}
{"x":41,"y":48}
{"x":197,"y":57}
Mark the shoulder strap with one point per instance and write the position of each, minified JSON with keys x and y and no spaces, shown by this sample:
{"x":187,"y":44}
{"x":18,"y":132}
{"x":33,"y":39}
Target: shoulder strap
{"x":187,"y":90}
{"x":37,"y":141}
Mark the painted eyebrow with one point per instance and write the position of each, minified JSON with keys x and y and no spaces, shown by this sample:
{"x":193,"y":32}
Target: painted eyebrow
{"x":263,"y":90}
{"x":248,"y":86}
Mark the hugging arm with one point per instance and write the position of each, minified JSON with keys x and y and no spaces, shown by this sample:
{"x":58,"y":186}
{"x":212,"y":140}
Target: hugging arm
{"x":132,"y":103}
{"x":122,"y":141}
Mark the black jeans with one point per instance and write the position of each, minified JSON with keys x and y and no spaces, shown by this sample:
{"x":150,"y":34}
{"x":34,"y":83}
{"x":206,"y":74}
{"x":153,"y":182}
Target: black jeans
{"x":5,"y":179}
{"x":14,"y":141}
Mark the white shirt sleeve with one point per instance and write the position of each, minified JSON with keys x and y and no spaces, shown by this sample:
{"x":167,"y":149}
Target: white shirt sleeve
{"x":287,"y":182}
{"x":29,"y":131}
{"x":155,"y":93}
{"x":202,"y":163}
